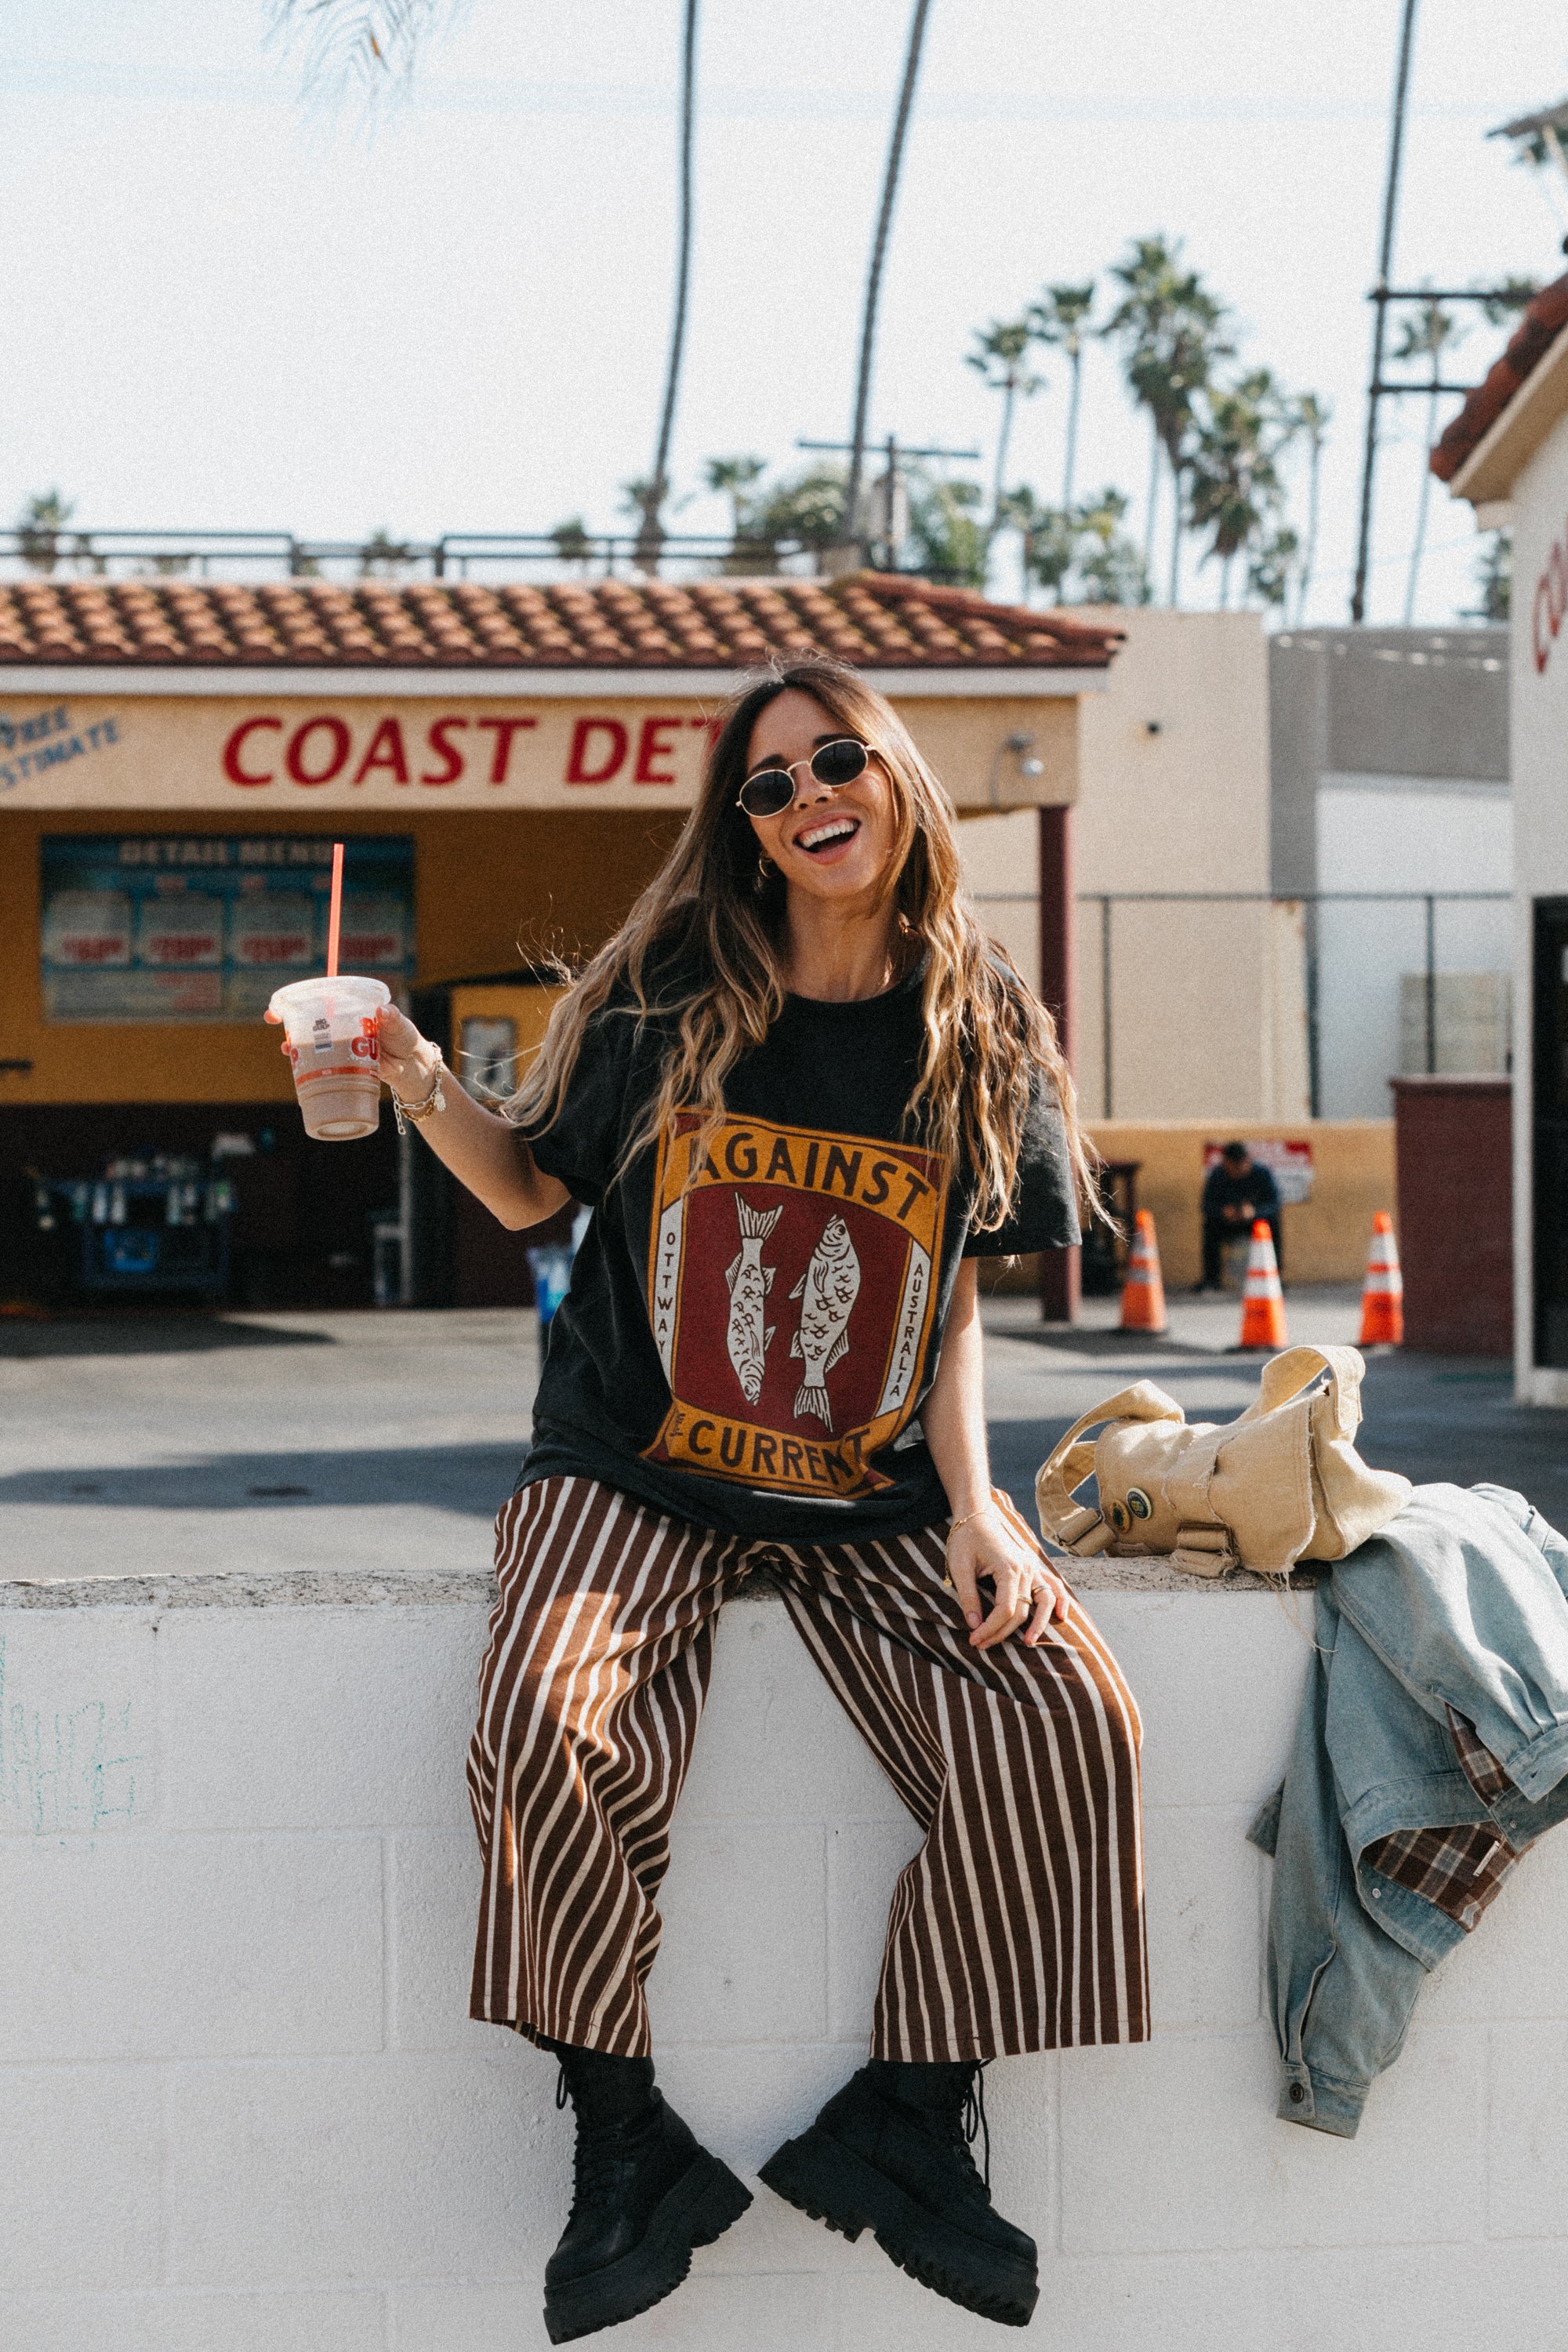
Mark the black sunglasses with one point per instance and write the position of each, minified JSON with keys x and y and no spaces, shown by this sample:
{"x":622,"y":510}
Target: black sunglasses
{"x":834,"y":764}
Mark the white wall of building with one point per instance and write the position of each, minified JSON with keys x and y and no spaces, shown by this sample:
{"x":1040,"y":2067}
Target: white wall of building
{"x":1539,"y":720}
{"x":245,"y":2112}
{"x":1396,"y":834}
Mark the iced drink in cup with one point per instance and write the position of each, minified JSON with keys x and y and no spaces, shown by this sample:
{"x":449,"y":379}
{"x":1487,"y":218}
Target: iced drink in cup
{"x":334,"y":1045}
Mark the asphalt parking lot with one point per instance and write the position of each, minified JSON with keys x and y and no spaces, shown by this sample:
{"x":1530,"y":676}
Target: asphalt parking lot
{"x":382,"y":1444}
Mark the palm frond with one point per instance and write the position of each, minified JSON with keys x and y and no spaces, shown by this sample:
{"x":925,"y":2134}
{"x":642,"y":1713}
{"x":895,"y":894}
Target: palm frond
{"x":369,"y":46}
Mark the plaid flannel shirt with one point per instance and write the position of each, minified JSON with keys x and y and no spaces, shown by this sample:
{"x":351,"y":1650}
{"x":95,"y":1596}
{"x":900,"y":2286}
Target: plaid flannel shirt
{"x":1460,"y":1870}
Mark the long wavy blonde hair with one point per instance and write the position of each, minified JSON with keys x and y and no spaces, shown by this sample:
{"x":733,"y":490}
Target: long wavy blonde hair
{"x":703,"y":950}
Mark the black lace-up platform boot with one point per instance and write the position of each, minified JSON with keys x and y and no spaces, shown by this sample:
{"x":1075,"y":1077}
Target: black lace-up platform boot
{"x":890,"y":2153}
{"x":643,"y":2194}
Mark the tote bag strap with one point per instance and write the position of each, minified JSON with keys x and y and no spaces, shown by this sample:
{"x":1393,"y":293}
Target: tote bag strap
{"x":1286,"y":1376}
{"x":1073,"y":1525}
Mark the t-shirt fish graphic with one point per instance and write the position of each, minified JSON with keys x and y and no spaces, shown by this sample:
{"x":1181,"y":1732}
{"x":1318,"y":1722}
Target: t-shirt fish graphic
{"x":827,"y":1290}
{"x":749,"y":1282}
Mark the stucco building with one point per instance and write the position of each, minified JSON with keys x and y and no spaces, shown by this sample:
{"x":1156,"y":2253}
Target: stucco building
{"x":1506,"y":453}
{"x":1391,"y":825}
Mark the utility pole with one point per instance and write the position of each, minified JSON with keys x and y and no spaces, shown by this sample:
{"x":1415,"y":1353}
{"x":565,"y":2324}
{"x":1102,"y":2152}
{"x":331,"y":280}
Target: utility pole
{"x":1380,"y":301}
{"x":893,"y":449}
{"x":878,"y":250}
{"x":650,"y":538}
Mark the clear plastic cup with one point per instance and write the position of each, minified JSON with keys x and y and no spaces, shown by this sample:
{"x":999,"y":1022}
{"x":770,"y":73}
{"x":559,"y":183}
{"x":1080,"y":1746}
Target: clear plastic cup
{"x":334,"y":1045}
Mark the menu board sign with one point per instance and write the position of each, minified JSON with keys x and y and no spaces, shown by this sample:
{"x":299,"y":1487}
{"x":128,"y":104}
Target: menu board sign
{"x":204,"y":927}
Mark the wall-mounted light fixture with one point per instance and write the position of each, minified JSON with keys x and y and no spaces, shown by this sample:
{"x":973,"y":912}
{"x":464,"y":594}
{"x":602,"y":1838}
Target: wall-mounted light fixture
{"x":1020,"y":747}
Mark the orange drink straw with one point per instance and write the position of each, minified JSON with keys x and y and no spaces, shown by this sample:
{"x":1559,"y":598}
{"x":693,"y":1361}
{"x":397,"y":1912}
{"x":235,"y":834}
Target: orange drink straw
{"x":334,"y":913}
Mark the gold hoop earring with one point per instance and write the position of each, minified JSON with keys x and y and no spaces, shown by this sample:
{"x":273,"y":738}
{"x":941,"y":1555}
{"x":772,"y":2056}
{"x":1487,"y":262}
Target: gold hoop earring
{"x":765,"y":867}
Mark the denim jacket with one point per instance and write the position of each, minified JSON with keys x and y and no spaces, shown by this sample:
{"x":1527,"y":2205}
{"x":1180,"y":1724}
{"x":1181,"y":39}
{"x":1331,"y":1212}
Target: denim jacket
{"x":1461,"y":1603}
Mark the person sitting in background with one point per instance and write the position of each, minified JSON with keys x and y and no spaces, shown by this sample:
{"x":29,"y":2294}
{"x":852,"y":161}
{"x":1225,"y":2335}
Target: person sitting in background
{"x":1237,"y":1191}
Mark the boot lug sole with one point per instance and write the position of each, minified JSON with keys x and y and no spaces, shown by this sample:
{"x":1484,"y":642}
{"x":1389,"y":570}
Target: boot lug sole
{"x":822,"y":2177}
{"x":699,"y":2209}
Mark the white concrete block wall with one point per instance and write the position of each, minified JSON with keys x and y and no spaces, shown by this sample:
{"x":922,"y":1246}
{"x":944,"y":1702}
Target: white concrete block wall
{"x":246,"y":2110}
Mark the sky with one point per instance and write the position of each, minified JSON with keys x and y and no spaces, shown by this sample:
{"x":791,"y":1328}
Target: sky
{"x":233,"y":305}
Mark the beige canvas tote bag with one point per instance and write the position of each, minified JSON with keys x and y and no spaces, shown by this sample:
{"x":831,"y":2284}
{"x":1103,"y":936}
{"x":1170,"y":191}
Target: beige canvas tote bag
{"x":1282,"y":1483}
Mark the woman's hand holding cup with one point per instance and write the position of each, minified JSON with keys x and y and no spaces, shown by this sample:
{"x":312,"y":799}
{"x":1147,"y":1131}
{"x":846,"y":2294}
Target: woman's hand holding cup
{"x":408,"y":1059}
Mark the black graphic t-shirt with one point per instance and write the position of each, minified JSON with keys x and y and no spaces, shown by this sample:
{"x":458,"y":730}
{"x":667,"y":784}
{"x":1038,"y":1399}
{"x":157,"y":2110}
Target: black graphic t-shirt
{"x":751,"y":1328}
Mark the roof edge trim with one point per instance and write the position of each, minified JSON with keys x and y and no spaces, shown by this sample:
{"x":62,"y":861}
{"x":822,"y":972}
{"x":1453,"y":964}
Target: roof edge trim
{"x":325,"y":681}
{"x":1489,"y":473}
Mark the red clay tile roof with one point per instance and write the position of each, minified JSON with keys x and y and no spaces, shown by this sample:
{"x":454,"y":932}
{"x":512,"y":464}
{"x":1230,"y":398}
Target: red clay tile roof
{"x":875,"y":619}
{"x":1542,"y":322}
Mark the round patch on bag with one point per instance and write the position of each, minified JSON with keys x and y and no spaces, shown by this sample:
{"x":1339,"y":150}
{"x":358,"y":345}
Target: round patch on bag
{"x":1120,"y":1519}
{"x":1137,"y":1503}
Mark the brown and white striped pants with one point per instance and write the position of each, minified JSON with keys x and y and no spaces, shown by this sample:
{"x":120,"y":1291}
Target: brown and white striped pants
{"x":1019,"y":1924}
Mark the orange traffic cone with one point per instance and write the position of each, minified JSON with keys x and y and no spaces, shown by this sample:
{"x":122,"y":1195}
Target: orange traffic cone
{"x":1382,"y":1292}
{"x":1144,"y":1292}
{"x":1262,"y":1300}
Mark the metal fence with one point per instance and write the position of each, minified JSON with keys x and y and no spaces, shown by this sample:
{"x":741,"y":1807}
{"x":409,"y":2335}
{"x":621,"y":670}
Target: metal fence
{"x":1362,"y":985}
{"x":1437,"y":948}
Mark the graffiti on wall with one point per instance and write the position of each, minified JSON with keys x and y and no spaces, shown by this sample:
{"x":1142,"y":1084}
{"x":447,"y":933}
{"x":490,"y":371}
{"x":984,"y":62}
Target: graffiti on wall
{"x":65,"y":1764}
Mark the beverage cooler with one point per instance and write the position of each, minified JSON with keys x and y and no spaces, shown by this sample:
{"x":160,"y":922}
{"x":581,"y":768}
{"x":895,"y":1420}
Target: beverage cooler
{"x":125,"y":1204}
{"x":145,"y":1226}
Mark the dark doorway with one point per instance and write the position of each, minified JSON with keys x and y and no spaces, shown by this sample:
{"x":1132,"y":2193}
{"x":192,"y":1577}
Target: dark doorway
{"x":303,"y":1211}
{"x":1551,"y":1137}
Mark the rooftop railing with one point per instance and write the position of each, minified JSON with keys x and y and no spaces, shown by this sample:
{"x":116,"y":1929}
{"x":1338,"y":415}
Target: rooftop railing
{"x":564,"y":553}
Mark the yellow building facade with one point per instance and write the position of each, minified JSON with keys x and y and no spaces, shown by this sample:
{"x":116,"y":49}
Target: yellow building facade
{"x":166,"y":819}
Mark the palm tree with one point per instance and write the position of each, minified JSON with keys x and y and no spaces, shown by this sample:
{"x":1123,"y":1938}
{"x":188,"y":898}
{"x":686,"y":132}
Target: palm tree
{"x":1111,"y":570}
{"x":573,"y":545}
{"x":808,"y":508}
{"x":1000,"y":353}
{"x":383,"y":558}
{"x":1046,"y":532}
{"x":1426,"y":336}
{"x":375,"y":42}
{"x":650,"y":538}
{"x":1494,"y":580}
{"x":1061,"y":319}
{"x":1269,"y":571}
{"x":879,"y":253}
{"x":1235,"y":470}
{"x":38,"y":529}
{"x":1508,"y":298}
{"x":1173,"y":332}
{"x":371,"y":42}
{"x":1138,"y":322}
{"x":1173,"y":378}
{"x":1313,"y":418}
{"x":947,"y":539}
{"x":732,"y":478}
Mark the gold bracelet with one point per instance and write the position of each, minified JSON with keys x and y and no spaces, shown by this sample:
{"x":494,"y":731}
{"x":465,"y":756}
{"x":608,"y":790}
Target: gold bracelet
{"x":953,"y":1524}
{"x":427,"y":1107}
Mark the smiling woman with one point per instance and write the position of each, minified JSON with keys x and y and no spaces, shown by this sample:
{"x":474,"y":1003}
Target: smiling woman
{"x":801,"y":1093}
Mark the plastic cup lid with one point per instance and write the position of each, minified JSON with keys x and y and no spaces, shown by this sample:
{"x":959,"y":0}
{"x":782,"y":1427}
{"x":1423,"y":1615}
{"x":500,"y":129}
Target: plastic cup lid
{"x":349,"y":992}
